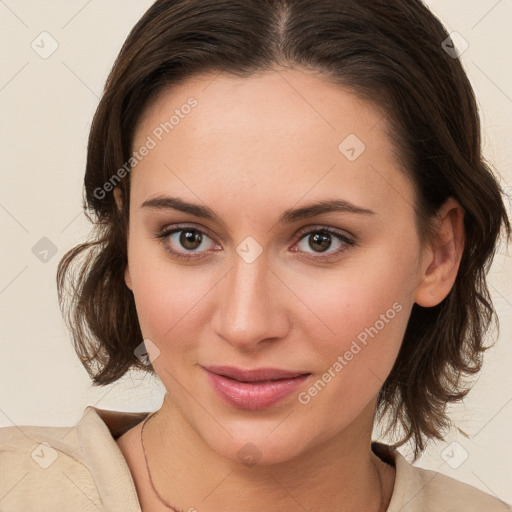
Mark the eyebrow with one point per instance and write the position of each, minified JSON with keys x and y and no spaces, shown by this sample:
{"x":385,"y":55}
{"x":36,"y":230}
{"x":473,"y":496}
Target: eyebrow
{"x":287,"y":217}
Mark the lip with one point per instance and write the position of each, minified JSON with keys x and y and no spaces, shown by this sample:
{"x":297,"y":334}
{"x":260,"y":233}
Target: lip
{"x":253,"y":389}
{"x":254,"y":375}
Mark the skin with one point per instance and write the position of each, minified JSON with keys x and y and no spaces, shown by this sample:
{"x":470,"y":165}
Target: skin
{"x":252,"y":148}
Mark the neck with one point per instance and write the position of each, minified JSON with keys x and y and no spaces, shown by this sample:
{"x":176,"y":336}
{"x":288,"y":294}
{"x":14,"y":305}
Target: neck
{"x":339,"y":474}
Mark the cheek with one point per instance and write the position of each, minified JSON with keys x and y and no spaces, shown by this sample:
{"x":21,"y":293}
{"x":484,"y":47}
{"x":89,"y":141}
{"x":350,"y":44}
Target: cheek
{"x":355,"y":355}
{"x":360,"y":321}
{"x":168,"y":298}
{"x":162,"y":307}
{"x":356,"y":322}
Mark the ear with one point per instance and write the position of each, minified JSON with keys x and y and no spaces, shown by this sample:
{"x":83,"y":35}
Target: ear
{"x":441,"y":256}
{"x":119,"y":202}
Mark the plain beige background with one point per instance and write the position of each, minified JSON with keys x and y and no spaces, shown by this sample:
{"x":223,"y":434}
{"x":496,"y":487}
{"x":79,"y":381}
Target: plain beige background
{"x":46,"y":107}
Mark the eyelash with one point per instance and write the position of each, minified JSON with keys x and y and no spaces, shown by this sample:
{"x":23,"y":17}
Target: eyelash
{"x":167,"y":232}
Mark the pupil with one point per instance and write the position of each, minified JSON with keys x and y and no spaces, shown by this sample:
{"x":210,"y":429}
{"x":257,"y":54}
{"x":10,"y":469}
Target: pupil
{"x":323,"y":240}
{"x":190,"y":239}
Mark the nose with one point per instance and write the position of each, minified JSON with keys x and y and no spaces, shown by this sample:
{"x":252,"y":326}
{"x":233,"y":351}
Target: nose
{"x":251,"y":309}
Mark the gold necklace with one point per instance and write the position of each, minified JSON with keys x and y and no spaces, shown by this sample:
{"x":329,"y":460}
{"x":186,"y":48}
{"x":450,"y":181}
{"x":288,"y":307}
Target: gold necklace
{"x":381,"y":507}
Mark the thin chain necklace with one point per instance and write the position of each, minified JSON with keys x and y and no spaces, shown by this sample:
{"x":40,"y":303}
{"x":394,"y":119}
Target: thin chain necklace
{"x":168,"y":505}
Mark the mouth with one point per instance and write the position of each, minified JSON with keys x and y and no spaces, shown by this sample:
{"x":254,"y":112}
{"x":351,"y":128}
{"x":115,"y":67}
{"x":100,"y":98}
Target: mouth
{"x":254,"y":389}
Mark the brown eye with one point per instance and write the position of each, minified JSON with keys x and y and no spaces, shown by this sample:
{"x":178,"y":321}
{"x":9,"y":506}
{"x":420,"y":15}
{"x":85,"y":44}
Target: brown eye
{"x":190,"y":239}
{"x":185,"y":242}
{"x":320,"y":242}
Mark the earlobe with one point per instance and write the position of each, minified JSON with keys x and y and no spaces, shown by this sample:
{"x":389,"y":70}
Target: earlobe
{"x":127,"y":278}
{"x":118,"y":198}
{"x":442,"y":256}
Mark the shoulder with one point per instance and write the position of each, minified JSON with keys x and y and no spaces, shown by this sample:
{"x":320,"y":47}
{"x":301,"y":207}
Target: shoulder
{"x":43,"y":468}
{"x":419,"y":490}
{"x":453,"y":495}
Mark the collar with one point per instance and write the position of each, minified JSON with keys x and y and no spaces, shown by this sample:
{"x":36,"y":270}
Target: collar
{"x":97,"y":431}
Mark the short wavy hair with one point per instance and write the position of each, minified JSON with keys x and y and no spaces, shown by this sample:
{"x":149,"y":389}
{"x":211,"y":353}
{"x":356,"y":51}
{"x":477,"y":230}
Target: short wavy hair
{"x":396,"y":55}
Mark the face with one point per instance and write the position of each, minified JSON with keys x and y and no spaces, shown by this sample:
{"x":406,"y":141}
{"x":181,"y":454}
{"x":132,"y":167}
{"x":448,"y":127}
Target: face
{"x":240,"y":280}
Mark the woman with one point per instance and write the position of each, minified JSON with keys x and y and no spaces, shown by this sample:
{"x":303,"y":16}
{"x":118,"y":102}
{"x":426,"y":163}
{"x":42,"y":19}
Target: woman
{"x":293,"y":222}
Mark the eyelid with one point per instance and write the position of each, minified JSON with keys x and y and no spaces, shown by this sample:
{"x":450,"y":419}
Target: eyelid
{"x":172,"y":228}
{"x":322,"y":227}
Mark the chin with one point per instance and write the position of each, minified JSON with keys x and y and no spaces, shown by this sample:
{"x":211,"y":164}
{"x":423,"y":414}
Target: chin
{"x":253,"y":443}
{"x":260,"y":452}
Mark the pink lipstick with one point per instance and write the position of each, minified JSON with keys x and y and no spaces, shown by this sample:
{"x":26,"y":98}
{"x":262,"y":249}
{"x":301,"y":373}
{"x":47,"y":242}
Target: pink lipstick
{"x":253,"y":389}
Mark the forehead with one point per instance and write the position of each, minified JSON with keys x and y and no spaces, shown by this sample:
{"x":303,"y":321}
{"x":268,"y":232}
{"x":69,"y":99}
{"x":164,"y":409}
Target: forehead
{"x":278,"y":132}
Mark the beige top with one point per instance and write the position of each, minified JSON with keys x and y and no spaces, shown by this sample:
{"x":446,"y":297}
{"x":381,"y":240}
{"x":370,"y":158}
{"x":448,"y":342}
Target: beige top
{"x":81,"y":469}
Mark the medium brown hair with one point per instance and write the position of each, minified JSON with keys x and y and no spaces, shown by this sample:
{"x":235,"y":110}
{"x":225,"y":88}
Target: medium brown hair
{"x":389,"y":53}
